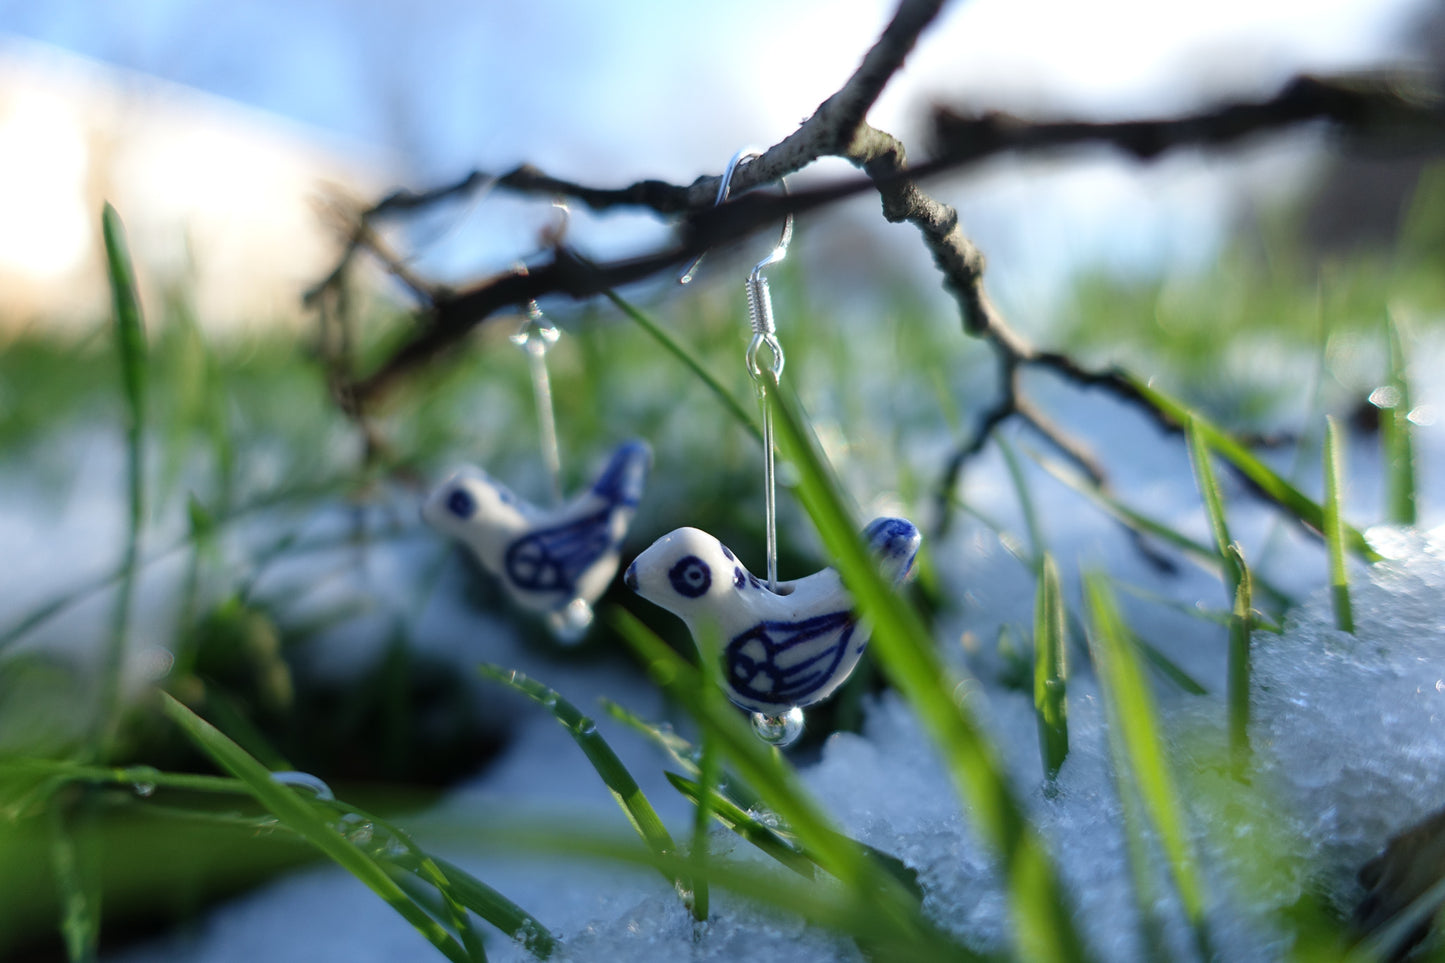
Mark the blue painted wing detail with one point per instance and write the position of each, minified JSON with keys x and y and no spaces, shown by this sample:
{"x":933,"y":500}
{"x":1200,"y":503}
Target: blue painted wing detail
{"x":553,"y":559}
{"x":784,"y":663}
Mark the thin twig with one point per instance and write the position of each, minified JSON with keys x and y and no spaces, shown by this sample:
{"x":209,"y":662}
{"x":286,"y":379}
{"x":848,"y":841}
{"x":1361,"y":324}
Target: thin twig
{"x":1390,"y":111}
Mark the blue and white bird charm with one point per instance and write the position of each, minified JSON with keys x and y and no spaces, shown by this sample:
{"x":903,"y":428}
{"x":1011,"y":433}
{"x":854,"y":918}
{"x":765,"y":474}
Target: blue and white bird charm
{"x":553,"y":561}
{"x":781,"y":650}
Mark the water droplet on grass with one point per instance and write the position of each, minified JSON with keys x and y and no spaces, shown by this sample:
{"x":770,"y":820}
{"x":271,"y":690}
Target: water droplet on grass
{"x":143,"y":780}
{"x":357,"y":829}
{"x":304,"y":780}
{"x":779,"y":730}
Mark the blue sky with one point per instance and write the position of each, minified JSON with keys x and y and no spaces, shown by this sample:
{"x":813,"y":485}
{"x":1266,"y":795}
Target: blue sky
{"x":609,"y":92}
{"x":452,"y":82}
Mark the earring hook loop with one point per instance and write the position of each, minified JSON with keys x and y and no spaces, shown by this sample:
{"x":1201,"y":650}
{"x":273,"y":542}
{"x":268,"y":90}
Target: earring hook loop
{"x":724,"y":188}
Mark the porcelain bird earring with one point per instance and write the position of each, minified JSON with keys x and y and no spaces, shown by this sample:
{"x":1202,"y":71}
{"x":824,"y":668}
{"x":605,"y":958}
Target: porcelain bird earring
{"x":785,"y":645}
{"x":555,"y":560}
{"x":783,"y":649}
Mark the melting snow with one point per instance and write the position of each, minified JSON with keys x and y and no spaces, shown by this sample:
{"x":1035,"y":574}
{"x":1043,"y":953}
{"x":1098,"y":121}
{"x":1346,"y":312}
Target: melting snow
{"x":1347,"y":742}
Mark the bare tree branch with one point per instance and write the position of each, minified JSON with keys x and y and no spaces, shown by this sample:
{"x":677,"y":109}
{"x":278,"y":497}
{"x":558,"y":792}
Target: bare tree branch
{"x":1388,"y":109}
{"x":1391,"y":112}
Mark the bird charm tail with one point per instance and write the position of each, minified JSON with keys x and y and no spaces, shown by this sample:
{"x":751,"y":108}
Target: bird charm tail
{"x":781,"y":650}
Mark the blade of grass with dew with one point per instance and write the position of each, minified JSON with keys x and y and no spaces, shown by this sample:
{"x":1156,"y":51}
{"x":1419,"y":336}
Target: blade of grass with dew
{"x":689,"y":361}
{"x":458,"y":888}
{"x":1266,"y":479}
{"x":1196,"y":551}
{"x":775,"y":782}
{"x":1143,"y":757}
{"x":736,"y":796}
{"x":465,"y":889}
{"x":1335,"y":528}
{"x":135,"y":776}
{"x":781,"y":846}
{"x":614,"y":774}
{"x":1396,"y":443}
{"x":681,"y":751}
{"x":1051,"y":701}
{"x":1241,"y":622}
{"x":1043,"y":927}
{"x":441,"y":907}
{"x":736,"y":819}
{"x":130,"y":343}
{"x":305,"y":819}
{"x":893,"y":908}
{"x":496,"y":909}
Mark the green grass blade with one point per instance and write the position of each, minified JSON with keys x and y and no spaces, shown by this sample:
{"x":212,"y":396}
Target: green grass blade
{"x":735,"y":818}
{"x":496,"y":909}
{"x":1218,"y":616}
{"x":1335,"y":528}
{"x":1142,"y":756}
{"x":130,"y":342}
{"x":1051,"y":703}
{"x":897,"y":908}
{"x":761,"y":766}
{"x":690,"y":361}
{"x":1170,"y":670}
{"x":1241,"y":621}
{"x":1136,"y":852}
{"x":147,"y":778}
{"x":614,"y":774}
{"x":1197,"y":552}
{"x":734,"y":800}
{"x":1043,"y":927}
{"x":1213,"y":496}
{"x":305,"y":818}
{"x":1266,"y":479}
{"x":1025,"y":499}
{"x":1396,"y":442}
{"x":76,"y":878}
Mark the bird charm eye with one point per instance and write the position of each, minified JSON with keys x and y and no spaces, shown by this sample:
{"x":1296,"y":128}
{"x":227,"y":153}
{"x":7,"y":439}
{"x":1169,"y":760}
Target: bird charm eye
{"x":690,"y":576}
{"x":461,"y":504}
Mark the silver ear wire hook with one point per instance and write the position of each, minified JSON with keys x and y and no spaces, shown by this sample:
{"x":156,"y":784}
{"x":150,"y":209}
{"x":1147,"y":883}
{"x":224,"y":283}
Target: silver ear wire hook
{"x":760,"y":316}
{"x":724,"y":187}
{"x":536,"y":335}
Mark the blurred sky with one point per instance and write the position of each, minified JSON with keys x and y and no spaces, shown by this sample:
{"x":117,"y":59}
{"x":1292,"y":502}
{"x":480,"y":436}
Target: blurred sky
{"x":609,"y":92}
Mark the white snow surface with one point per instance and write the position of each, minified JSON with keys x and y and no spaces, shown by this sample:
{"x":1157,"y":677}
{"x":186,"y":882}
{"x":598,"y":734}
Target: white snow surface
{"x":1345,"y":728}
{"x":1347,"y":743}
